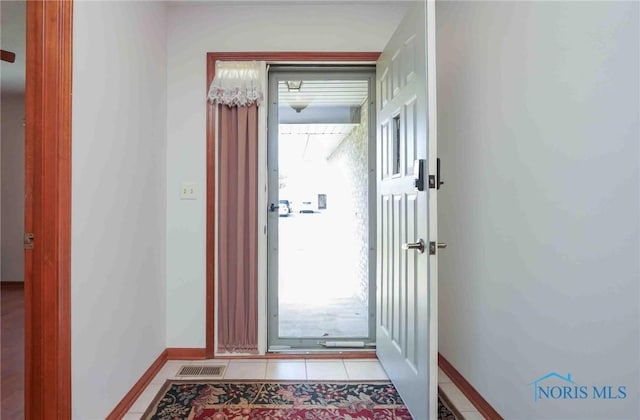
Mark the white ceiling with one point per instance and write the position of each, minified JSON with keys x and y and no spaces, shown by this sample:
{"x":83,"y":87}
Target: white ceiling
{"x":13,"y":38}
{"x":316,"y":142}
{"x":13,"y":30}
{"x":326,"y":92}
{"x":300,"y":144}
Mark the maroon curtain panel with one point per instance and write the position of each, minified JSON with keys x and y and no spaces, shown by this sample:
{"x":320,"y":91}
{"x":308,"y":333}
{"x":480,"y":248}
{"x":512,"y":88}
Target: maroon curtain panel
{"x":238,"y":229}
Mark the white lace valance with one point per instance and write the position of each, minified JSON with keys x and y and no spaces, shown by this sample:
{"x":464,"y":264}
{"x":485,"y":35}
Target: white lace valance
{"x":238,"y":83}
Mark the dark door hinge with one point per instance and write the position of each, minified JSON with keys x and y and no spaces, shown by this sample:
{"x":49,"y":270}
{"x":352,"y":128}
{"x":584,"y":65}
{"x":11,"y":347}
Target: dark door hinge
{"x":28,"y":240}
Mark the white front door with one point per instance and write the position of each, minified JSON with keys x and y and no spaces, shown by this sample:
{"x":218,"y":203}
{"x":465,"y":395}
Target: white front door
{"x":407,"y":278}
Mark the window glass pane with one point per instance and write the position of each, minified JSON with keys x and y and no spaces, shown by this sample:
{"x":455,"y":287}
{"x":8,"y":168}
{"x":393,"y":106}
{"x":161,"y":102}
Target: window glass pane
{"x":323,"y":244}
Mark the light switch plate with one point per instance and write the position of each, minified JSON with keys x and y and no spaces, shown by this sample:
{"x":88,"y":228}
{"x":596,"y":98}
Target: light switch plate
{"x":188,"y":191}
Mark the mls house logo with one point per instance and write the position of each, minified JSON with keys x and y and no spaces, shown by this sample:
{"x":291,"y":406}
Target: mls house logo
{"x":554,"y":386}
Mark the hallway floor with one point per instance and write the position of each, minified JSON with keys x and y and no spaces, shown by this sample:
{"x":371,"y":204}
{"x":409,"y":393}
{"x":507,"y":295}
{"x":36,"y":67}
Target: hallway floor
{"x":271,"y":369}
{"x":290,"y":369}
{"x":12,"y":352}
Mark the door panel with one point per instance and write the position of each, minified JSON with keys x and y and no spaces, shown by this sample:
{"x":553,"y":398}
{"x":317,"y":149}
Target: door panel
{"x":406,"y":308}
{"x":410,"y":116}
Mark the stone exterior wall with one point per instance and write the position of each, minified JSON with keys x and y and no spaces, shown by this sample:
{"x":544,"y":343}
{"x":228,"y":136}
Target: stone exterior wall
{"x":349,"y":199}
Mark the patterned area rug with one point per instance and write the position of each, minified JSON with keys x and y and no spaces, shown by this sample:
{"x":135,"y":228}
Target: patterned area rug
{"x":228,"y":400}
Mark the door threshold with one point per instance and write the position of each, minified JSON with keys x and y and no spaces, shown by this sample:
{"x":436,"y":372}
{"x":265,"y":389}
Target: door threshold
{"x":340,"y":353}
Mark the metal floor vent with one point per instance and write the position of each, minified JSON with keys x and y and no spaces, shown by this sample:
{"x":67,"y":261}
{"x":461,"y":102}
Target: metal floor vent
{"x":195,"y":370}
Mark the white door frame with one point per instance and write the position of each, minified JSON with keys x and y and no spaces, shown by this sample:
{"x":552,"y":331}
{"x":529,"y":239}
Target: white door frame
{"x":433,"y":204}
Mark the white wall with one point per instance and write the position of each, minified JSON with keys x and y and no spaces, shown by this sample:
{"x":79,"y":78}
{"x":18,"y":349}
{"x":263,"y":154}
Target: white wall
{"x":194,"y":30}
{"x":12,"y":190}
{"x":118,"y":199}
{"x":538,"y":106}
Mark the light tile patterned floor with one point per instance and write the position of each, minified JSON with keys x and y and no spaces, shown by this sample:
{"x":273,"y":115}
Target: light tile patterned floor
{"x":457,"y":398}
{"x":294,"y":369}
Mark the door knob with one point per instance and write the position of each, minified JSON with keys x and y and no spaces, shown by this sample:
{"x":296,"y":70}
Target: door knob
{"x":418,"y":246}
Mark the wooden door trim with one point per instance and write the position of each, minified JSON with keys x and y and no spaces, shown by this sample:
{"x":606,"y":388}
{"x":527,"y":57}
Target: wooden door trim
{"x":138,"y":388}
{"x":48,"y":209}
{"x":212,"y":57}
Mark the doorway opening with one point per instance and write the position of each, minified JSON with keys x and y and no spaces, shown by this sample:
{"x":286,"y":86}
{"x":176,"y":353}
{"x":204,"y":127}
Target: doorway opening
{"x":321,"y":221}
